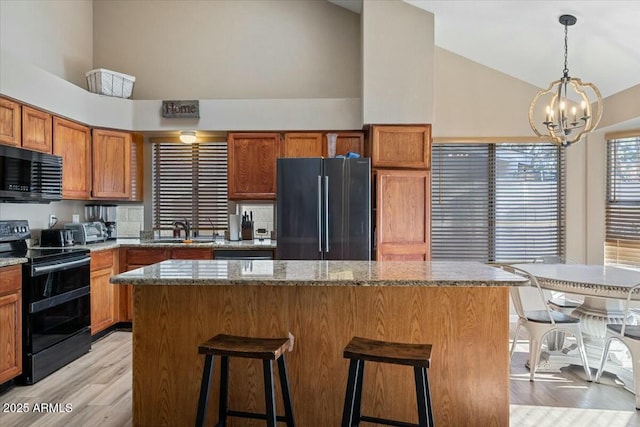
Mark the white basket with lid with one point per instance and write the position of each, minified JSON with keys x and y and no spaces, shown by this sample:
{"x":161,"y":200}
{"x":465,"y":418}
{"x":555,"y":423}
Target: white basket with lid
{"x":110,"y":83}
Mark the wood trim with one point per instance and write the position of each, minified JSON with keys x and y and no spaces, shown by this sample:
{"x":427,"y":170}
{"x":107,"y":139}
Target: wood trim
{"x":622,"y":134}
{"x":490,"y":139}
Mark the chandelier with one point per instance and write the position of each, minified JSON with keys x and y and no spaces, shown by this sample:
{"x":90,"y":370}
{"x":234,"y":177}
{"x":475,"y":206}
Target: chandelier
{"x":568,"y":108}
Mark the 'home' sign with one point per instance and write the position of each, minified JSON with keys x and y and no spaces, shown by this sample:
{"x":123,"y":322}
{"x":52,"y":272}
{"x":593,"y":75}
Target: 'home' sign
{"x":181,"y":109}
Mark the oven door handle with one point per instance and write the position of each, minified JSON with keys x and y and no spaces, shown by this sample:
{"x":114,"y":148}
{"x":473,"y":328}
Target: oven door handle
{"x":39,"y":270}
{"x":45,"y":304}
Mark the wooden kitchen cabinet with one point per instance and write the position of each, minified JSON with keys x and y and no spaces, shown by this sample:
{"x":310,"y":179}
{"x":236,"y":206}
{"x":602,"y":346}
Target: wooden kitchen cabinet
{"x":400,"y":146}
{"x":10,"y":322}
{"x":104,"y":296}
{"x":111,"y":164}
{"x":345,"y":142}
{"x":36,"y":130}
{"x":297,"y":144}
{"x":10,"y":123}
{"x":403,"y":215}
{"x":72,"y":142}
{"x":251,"y":160}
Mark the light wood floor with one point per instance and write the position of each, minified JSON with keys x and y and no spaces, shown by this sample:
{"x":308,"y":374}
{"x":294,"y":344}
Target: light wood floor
{"x":98,"y":386}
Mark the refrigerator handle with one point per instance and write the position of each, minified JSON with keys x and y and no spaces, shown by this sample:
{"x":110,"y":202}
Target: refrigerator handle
{"x":319,"y":213}
{"x":326,"y":213}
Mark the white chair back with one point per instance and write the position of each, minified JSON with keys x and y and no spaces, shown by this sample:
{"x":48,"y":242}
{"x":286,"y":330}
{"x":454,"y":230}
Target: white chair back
{"x":627,"y":306}
{"x":515,"y":291}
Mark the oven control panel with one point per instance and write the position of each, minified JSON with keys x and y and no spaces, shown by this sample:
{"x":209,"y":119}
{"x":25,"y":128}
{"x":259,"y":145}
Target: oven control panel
{"x":14,"y":230}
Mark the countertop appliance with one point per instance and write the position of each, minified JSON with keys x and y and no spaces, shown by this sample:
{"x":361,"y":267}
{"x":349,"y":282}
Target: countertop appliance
{"x":87,"y":232}
{"x":323,"y":209}
{"x":29,"y":176}
{"x":107,"y":214}
{"x":56,"y":238}
{"x":56,"y":306}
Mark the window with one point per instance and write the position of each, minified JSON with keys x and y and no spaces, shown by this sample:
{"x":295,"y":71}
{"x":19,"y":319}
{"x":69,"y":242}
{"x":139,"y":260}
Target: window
{"x":190,"y":181}
{"x":622,"y":240}
{"x":497,"y":202}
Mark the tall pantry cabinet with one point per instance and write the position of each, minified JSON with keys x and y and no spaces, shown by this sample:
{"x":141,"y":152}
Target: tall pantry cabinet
{"x":401,"y":167}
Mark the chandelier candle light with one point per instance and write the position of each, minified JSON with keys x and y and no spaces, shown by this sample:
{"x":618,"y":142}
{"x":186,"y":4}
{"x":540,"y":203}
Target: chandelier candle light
{"x":568,"y":108}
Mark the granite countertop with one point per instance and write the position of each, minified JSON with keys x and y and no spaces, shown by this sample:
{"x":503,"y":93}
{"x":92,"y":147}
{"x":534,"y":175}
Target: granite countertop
{"x":319,"y":273}
{"x":6,"y":262}
{"x":174,"y":243}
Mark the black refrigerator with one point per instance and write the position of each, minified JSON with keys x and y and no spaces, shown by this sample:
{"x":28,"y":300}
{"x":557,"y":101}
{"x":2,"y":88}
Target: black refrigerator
{"x":323,"y":209}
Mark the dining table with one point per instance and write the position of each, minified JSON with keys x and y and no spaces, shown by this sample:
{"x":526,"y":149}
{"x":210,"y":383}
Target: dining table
{"x":605,"y":290}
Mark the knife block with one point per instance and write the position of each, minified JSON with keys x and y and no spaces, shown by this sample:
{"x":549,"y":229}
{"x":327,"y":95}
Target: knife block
{"x":247,"y":231}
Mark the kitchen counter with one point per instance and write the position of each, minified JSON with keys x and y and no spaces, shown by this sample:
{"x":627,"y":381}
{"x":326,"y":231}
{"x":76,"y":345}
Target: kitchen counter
{"x":461,"y":308}
{"x":172,"y":243}
{"x":6,"y":262}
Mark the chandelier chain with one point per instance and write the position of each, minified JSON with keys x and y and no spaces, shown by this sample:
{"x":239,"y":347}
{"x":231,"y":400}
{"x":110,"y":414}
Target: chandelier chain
{"x":566,"y":39}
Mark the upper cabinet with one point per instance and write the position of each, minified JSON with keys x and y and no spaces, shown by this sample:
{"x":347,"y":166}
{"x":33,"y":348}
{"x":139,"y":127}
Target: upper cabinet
{"x":111,"y":159}
{"x":10,"y":119}
{"x":400,"y":146}
{"x":302,"y":145}
{"x":251,"y":171}
{"x":346,"y":142}
{"x":36,"y":130}
{"x":72,"y":141}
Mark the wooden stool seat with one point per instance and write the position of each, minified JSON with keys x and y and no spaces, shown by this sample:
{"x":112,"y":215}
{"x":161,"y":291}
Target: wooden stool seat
{"x":360,"y":350}
{"x":265,"y":349}
{"x":252,"y":348}
{"x":389,"y":352}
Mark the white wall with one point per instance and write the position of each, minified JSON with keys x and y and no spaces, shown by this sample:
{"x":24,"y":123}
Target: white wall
{"x":54,"y":35}
{"x":250,"y":49}
{"x":397,"y":63}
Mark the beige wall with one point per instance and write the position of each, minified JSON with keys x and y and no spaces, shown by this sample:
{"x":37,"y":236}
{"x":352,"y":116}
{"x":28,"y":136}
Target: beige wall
{"x":54,"y":35}
{"x":397,"y":63}
{"x":258,"y":49}
{"x":474,"y":100}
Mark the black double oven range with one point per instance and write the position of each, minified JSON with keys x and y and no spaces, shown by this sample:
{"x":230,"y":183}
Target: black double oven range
{"x":56,"y":306}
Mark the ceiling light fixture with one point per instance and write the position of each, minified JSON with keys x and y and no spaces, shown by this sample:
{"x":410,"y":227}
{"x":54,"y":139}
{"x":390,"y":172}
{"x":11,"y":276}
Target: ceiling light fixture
{"x":188,"y":136}
{"x":568,"y":108}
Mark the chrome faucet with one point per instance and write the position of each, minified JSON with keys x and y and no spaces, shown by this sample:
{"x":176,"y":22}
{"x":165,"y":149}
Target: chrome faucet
{"x":185,"y":226}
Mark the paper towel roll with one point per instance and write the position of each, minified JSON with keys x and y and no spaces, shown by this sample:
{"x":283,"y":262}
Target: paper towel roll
{"x":234,"y":227}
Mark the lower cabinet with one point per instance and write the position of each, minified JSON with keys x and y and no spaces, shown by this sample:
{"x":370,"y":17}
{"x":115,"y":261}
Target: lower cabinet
{"x":104,"y":295}
{"x":10,"y":322}
{"x":132,"y":258}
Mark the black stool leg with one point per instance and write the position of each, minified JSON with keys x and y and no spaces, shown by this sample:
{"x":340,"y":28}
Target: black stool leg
{"x":349,"y":398}
{"x":204,"y":390}
{"x":270,"y":401}
{"x":425,"y":415}
{"x":224,"y":391}
{"x":286,"y":393}
{"x":357,"y":404}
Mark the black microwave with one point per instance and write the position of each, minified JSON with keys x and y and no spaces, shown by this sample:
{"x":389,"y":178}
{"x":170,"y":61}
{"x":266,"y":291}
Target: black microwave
{"x":29,"y":176}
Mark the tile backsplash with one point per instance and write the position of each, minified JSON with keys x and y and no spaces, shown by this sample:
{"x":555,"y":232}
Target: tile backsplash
{"x":130,"y":220}
{"x":262,"y":216}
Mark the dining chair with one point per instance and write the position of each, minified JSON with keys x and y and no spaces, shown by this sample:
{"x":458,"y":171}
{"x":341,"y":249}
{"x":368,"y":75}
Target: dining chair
{"x":539,"y":323}
{"x":629,"y":335}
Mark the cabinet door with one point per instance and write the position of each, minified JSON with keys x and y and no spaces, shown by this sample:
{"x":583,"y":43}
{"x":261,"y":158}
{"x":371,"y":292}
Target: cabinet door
{"x":103,"y":294}
{"x":73,"y":142}
{"x":36,"y":130}
{"x":251,"y":168}
{"x":191,"y":253}
{"x":10,"y":322}
{"x":111,"y":161}
{"x":302,"y":145}
{"x":402,"y":146}
{"x":10,"y":121}
{"x":345,"y":142}
{"x":403,"y":215}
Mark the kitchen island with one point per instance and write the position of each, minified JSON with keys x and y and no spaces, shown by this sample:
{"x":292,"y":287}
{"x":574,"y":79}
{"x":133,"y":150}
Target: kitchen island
{"x":461,"y":308}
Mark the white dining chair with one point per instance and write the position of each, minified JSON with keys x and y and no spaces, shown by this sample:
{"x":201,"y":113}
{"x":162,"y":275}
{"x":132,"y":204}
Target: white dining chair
{"x":539,"y":323}
{"x":629,"y":335}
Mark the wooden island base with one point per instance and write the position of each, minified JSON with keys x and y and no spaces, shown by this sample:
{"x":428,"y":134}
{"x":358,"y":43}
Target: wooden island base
{"x":468,"y":327}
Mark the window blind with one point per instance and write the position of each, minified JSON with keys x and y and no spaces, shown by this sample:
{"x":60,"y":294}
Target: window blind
{"x":190,"y":181}
{"x":622,"y":223}
{"x":497,"y":202}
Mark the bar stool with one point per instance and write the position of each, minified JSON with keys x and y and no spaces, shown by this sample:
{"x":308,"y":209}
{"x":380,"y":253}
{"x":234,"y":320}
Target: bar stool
{"x":266,"y":349}
{"x":360,"y":350}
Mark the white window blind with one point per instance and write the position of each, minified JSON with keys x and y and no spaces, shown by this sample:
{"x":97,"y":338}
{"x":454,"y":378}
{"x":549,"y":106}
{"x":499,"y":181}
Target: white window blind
{"x":497,"y":202}
{"x":622,"y":241}
{"x":190,"y":181}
